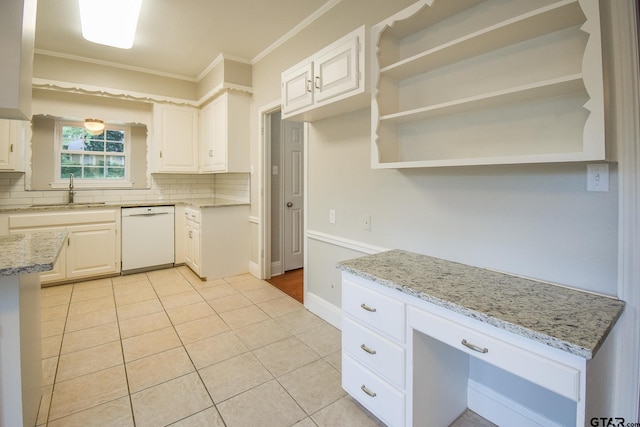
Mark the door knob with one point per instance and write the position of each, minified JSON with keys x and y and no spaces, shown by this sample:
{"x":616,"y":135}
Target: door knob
{"x":289,"y":204}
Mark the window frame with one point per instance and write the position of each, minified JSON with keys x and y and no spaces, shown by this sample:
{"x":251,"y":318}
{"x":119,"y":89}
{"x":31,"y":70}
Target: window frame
{"x":84,"y":183}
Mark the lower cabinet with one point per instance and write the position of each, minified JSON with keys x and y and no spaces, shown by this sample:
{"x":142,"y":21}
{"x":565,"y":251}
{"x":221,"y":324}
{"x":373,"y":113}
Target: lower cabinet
{"x":92,"y":247}
{"x":373,"y":351}
{"x":216,"y":240}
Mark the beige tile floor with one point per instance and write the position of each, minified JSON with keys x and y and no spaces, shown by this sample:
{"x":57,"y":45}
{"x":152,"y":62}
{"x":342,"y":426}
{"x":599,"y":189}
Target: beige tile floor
{"x":165,"y":348}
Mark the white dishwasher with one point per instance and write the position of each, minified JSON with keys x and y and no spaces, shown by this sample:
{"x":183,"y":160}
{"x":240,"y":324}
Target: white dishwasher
{"x":147,"y":238}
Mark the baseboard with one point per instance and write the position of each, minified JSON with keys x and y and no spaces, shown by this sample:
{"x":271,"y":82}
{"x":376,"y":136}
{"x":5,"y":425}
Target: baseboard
{"x":254,"y":269}
{"x":325,"y":310}
{"x":276,"y":268}
{"x":501,"y":410}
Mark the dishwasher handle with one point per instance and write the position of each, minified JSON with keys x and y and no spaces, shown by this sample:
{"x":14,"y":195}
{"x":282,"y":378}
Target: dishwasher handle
{"x":150,"y":214}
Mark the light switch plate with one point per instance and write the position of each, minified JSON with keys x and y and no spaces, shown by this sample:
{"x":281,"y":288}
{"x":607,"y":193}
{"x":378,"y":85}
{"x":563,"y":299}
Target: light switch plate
{"x":598,"y":177}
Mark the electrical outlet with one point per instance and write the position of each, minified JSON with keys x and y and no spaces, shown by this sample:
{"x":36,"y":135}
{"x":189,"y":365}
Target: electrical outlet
{"x":598,"y":177}
{"x":366,"y":223}
{"x":332,"y":216}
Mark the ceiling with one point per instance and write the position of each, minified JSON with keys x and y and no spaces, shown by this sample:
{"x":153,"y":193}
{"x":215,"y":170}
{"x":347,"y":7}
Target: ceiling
{"x":180,"y":38}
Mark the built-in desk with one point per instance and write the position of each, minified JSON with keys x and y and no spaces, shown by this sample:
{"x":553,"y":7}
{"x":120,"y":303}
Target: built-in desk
{"x":424,"y":339}
{"x":22,"y":258}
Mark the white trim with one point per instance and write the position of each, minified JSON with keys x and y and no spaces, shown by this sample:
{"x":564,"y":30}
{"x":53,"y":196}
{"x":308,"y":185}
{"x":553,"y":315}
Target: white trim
{"x":264,"y":189}
{"x":219,"y":89}
{"x":501,"y":410}
{"x":626,"y":107}
{"x":61,"y":86}
{"x":295,"y":30}
{"x":323,"y":309}
{"x":345,"y":243}
{"x":254,"y":269}
{"x":276,"y":268}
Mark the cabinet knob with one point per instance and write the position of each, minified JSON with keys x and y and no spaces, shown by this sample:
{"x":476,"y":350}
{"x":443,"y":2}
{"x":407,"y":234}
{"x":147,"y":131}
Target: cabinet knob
{"x":289,"y":204}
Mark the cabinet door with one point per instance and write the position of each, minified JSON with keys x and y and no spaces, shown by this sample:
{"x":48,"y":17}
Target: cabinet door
{"x":11,"y":144}
{"x":192,"y":258}
{"x":91,"y":250}
{"x":59,"y":270}
{"x":297,"y":88}
{"x":336,"y":71}
{"x":176,"y":138}
{"x":214,"y":133}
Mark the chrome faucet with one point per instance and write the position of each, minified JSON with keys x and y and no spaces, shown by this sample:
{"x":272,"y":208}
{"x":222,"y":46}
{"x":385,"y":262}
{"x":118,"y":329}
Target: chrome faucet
{"x":71,"y":192}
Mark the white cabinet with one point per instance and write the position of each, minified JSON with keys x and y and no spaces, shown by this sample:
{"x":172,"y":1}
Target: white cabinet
{"x":175,"y":139}
{"x":192,"y":239}
{"x":373,"y":351}
{"x":224,"y":133}
{"x":330,"y":82}
{"x":217,"y":240}
{"x":477,"y":83}
{"x":12,"y":143}
{"x":17,"y":32}
{"x":411,"y":362}
{"x":93,"y":243}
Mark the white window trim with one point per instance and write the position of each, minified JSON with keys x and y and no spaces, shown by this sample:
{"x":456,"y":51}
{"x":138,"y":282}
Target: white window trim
{"x":78,"y":183}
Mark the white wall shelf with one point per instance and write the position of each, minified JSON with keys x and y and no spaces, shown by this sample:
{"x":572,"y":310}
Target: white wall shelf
{"x":464,"y":83}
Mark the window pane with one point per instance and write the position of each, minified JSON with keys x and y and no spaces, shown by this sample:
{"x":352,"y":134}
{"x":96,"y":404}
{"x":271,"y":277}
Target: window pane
{"x":115,"y":161}
{"x":93,"y":145}
{"x":115,"y":135}
{"x":73,"y":144}
{"x":115,"y":147}
{"x":72,"y":132}
{"x":71,"y":159}
{"x":93,"y":173}
{"x":90,"y":160}
{"x":66,"y":170}
{"x":87,"y":135}
{"x":115,"y":173}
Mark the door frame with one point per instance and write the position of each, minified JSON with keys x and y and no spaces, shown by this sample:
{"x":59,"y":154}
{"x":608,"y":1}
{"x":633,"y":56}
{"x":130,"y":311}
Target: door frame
{"x":264,"y":190}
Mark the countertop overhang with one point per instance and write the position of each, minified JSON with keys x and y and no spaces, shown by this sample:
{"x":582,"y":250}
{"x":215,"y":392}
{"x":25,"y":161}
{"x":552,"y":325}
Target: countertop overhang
{"x":29,"y":253}
{"x":199,"y":203}
{"x":572,"y":320}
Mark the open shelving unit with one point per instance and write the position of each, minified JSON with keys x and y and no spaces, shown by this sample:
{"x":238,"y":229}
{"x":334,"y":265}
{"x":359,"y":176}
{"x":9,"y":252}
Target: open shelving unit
{"x":464,"y":82}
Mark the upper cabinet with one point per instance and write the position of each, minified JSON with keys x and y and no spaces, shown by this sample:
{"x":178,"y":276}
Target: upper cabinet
{"x":468,"y":82}
{"x":175,"y":136}
{"x":17,"y":32}
{"x":224,"y":133}
{"x":330,"y":82}
{"x":12,"y":144}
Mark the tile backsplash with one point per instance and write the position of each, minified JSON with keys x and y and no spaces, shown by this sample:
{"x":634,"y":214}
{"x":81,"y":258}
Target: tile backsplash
{"x":170,"y":187}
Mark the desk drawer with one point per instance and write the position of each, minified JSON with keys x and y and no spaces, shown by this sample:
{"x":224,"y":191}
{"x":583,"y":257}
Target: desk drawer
{"x":378,"y":396}
{"x":374,"y":351}
{"x":538,"y":369}
{"x":380,"y":312}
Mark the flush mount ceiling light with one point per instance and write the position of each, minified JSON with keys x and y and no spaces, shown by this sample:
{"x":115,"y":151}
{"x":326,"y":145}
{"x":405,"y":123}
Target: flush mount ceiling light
{"x":94,"y":126}
{"x":110,"y":22}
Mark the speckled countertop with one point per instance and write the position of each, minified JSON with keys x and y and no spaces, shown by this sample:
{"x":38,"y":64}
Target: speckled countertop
{"x":200,"y":203}
{"x":29,"y":253}
{"x":571,"y":320}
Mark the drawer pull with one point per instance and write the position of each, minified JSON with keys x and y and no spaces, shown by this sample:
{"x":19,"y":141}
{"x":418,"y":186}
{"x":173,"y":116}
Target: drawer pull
{"x":367,"y":349}
{"x":474,"y":347}
{"x":366,"y":307}
{"x":366,"y":390}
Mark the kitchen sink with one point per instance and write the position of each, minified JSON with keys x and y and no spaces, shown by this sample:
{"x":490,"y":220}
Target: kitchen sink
{"x":62,"y":205}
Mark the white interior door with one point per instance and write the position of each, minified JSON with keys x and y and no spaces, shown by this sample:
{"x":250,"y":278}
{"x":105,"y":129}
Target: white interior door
{"x":293,"y":197}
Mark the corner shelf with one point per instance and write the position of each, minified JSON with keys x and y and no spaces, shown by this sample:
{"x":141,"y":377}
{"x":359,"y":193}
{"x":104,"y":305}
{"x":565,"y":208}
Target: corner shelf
{"x":506,"y":72}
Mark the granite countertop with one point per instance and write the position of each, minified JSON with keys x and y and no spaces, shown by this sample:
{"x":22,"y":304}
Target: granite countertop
{"x":29,"y":253}
{"x":568,"y":319}
{"x":200,"y":203}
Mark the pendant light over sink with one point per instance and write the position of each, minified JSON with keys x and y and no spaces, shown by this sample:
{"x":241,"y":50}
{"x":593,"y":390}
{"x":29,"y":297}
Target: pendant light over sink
{"x":110,"y":22}
{"x":94,"y":126}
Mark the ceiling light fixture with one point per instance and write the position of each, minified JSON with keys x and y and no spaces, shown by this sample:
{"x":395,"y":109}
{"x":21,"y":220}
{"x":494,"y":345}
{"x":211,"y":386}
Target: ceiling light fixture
{"x":94,"y":126}
{"x":110,"y":22}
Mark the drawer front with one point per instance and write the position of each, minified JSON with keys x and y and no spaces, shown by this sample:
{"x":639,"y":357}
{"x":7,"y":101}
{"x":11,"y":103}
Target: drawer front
{"x":192,"y":215}
{"x":378,"y":396}
{"x":538,"y":369}
{"x":380,"y":312}
{"x":374,"y":351}
{"x":62,"y":218}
